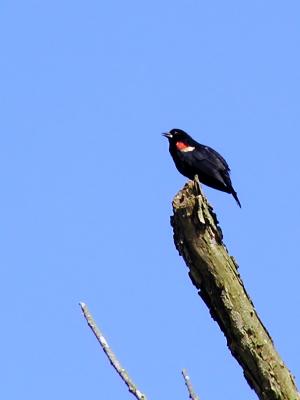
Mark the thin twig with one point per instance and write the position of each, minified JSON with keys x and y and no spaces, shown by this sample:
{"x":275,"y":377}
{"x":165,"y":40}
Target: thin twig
{"x":189,"y":386}
{"x":110,"y":354}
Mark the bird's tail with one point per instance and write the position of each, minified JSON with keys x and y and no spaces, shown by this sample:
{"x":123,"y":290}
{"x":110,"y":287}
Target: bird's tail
{"x":234,"y":194}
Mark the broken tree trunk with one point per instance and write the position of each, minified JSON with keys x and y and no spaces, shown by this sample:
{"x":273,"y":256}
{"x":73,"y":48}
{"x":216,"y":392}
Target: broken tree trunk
{"x":198,"y":238}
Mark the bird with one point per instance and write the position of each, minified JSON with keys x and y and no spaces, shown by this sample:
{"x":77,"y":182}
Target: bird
{"x":192,"y":158}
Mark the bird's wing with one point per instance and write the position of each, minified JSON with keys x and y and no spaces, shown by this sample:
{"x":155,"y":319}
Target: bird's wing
{"x":211,"y":156}
{"x":206,"y":158}
{"x":217,"y":156}
{"x":208,"y":162}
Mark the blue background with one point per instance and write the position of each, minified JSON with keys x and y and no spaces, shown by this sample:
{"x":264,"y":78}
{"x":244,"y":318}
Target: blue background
{"x":87,"y":183}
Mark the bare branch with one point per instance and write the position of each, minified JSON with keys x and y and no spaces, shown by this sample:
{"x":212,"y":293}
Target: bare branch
{"x":199,"y":240}
{"x":110,"y":354}
{"x":187,"y":380}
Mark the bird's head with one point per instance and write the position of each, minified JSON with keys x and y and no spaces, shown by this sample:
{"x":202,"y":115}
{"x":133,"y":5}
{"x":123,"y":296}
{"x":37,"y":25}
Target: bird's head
{"x":176,"y":135}
{"x":180,"y":140}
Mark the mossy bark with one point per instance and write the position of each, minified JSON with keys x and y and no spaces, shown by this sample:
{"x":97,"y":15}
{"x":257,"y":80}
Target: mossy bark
{"x":199,"y":240}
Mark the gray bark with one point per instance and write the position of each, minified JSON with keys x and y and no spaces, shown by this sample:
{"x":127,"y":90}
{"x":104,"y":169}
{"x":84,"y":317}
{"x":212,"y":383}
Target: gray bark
{"x":199,"y":240}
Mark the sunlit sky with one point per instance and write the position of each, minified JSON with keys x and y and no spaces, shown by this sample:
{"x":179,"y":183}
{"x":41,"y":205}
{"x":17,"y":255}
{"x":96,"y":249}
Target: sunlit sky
{"x":87,"y":184}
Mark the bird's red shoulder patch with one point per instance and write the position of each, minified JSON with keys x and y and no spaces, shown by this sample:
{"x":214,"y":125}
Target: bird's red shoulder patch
{"x":181,"y":145}
{"x":184,"y":147}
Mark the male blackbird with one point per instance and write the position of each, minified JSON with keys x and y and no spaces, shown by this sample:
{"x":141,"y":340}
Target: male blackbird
{"x":192,"y":158}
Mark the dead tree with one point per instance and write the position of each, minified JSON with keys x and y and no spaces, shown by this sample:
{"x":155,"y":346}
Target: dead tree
{"x":199,"y":240}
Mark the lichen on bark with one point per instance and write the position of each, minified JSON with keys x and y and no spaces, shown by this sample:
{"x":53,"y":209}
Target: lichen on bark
{"x":199,"y":240}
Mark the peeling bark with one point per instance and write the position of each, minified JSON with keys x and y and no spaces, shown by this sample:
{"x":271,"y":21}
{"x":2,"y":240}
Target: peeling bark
{"x":199,"y":240}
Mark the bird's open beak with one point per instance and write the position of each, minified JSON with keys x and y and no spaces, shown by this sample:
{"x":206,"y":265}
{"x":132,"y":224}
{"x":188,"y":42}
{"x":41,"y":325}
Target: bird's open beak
{"x":167,"y":135}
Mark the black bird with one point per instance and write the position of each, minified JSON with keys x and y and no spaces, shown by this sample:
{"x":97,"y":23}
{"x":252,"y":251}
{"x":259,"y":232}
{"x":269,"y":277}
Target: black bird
{"x":192,"y":158}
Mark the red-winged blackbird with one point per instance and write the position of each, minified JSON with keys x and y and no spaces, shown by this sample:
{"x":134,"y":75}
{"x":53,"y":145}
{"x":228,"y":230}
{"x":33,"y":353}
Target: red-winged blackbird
{"x":192,"y":158}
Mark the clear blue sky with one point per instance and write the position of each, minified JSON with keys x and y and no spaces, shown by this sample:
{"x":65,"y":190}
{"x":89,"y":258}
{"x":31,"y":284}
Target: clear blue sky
{"x":87,"y":183}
